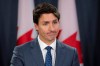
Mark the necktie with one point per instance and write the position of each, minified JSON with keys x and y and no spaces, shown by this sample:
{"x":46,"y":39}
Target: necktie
{"x":48,"y":60}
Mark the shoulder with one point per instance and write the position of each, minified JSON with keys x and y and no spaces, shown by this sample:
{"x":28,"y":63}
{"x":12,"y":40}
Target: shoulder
{"x":25,"y":46}
{"x":66,"y":47}
{"x":70,"y":53}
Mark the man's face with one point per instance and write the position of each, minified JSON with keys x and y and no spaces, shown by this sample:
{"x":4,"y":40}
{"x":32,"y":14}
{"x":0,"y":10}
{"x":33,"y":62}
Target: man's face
{"x":48,"y":27}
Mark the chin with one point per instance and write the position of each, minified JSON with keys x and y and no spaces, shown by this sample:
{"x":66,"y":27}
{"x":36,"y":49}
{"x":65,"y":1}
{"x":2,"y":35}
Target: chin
{"x":52,"y":39}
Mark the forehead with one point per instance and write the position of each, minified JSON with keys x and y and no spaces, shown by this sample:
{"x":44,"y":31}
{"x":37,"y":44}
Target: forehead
{"x":47,"y":16}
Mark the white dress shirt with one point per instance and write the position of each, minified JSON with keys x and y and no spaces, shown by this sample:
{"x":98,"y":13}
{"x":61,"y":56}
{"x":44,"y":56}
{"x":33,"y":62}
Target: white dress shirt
{"x":44,"y":51}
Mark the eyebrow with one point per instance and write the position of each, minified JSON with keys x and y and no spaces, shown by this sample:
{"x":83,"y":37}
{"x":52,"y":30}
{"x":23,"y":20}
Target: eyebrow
{"x":55,"y":20}
{"x":48,"y":21}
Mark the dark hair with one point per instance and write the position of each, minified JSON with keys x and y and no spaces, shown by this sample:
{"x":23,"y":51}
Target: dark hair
{"x":42,"y":9}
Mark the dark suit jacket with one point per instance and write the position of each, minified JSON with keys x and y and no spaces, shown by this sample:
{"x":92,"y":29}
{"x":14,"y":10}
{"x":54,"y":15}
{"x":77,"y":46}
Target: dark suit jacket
{"x":30,"y":54}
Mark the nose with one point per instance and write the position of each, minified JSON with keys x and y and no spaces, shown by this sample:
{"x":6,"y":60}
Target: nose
{"x":51,"y":27}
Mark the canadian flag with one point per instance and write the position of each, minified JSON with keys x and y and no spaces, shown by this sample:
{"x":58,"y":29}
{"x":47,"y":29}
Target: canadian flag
{"x":69,"y":32}
{"x":26,"y":31}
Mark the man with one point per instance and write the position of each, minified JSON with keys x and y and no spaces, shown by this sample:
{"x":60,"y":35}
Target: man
{"x":45,"y":50}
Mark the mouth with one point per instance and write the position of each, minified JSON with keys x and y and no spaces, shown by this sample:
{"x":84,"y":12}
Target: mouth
{"x":51,"y":33}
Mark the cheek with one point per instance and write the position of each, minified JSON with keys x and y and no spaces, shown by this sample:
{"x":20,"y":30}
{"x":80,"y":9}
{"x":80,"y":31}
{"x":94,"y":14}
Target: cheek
{"x":57,"y":28}
{"x":42,"y":30}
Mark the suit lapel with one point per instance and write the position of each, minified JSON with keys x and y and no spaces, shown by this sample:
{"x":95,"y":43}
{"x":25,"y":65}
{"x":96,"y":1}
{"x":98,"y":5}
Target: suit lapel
{"x":36,"y":53}
{"x":59,"y":54}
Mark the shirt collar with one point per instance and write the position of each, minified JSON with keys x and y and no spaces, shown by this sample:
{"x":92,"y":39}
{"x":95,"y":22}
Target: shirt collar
{"x":44,"y":45}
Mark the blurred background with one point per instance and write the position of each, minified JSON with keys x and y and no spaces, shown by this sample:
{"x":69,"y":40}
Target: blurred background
{"x":79,"y":27}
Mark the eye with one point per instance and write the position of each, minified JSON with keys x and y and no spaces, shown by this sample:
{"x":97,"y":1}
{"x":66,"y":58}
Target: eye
{"x":45,"y":23}
{"x":55,"y":22}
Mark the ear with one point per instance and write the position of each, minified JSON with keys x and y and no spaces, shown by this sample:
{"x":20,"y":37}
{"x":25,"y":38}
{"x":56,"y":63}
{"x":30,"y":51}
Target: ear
{"x":36,"y":26}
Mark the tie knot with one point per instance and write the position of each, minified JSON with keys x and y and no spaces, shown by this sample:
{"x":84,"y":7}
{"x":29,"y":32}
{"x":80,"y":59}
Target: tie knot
{"x":48,"y":48}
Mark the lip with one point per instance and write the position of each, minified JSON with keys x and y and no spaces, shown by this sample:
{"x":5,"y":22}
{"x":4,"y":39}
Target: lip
{"x":51,"y":34}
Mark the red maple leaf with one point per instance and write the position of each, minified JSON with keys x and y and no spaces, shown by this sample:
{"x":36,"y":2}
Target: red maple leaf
{"x":71,"y":40}
{"x":25,"y":37}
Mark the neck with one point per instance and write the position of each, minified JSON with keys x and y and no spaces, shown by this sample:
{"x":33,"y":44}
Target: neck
{"x":48,"y":42}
